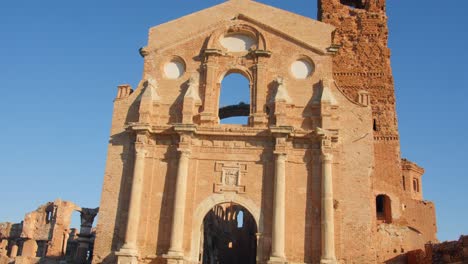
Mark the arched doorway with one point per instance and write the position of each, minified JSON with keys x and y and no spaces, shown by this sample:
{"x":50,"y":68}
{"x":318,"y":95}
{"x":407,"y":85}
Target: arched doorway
{"x":229,"y":235}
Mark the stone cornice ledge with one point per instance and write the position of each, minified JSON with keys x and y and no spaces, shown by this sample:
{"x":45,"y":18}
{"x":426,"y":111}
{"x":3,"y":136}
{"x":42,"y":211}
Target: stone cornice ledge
{"x":185,"y":128}
{"x":139,"y":127}
{"x":281,"y":130}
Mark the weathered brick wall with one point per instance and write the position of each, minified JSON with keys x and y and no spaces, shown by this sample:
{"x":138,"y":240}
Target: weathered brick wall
{"x":363,"y":63}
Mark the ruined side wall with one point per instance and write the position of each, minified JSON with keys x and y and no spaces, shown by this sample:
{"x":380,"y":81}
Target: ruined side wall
{"x":363,"y":63}
{"x":353,"y":170}
{"x":117,"y":181}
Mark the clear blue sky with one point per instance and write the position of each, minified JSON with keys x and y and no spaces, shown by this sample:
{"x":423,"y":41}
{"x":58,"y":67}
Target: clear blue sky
{"x":60,"y":62}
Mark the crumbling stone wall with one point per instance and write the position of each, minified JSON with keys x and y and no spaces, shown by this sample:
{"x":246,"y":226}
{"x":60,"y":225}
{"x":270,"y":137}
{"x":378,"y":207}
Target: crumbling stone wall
{"x":45,"y":235}
{"x":441,"y":253}
{"x":362,"y":62}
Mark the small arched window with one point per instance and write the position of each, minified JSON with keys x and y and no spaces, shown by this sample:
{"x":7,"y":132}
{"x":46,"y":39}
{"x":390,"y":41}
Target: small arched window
{"x":383,"y":206}
{"x":234,"y":100}
{"x":240,"y":219}
{"x":416,"y":185}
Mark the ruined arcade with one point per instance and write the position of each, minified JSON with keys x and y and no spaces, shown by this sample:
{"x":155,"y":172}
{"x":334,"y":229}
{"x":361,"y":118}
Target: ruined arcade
{"x":316,"y":174}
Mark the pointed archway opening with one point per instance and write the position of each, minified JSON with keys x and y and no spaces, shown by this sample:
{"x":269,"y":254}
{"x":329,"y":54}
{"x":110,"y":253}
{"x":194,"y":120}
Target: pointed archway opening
{"x":229,"y":235}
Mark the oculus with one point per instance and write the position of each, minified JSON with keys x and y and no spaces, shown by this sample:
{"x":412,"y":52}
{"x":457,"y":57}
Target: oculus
{"x":174,"y":69}
{"x":301,"y":69}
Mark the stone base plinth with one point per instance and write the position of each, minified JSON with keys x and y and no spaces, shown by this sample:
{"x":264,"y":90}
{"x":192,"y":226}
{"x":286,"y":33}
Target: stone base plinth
{"x":328,"y":261}
{"x":277,"y":260}
{"x":127,"y":256}
{"x":26,"y":260}
{"x":174,"y":257}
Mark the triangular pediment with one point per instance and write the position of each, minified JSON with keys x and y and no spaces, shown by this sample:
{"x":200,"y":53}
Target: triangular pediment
{"x":302,"y":29}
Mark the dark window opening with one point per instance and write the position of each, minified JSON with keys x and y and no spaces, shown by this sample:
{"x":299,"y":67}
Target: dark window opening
{"x":416,"y":185}
{"x":383,"y":208}
{"x":404,"y":183}
{"x":354,"y":3}
{"x":48,"y":217}
{"x":234,"y":100}
{"x":375,"y":125}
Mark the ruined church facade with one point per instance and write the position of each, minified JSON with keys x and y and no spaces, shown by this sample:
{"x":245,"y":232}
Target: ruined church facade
{"x":316,"y":174}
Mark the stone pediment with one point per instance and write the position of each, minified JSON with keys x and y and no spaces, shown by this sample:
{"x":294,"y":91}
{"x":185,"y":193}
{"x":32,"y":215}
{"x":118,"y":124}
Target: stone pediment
{"x":302,"y":29}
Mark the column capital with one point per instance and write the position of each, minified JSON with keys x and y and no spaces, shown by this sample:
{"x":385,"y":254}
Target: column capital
{"x":326,"y":157}
{"x":280,"y":155}
{"x":184,"y":152}
{"x":140,"y":150}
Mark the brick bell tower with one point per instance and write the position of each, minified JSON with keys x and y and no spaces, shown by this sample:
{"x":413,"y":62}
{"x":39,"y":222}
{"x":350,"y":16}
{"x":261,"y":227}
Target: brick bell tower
{"x":362,"y":63}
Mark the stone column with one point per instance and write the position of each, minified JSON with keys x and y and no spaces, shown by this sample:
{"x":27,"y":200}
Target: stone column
{"x":84,"y":237}
{"x":328,"y":225}
{"x":14,"y":250}
{"x":29,"y":248}
{"x":129,"y":251}
{"x":277,"y":243}
{"x":177,"y":231}
{"x":3,"y":247}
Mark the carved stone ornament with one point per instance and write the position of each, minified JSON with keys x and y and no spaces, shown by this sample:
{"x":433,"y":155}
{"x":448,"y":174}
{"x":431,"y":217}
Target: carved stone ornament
{"x":282,"y":94}
{"x":192,"y":91}
{"x":231,"y":174}
{"x":142,"y":139}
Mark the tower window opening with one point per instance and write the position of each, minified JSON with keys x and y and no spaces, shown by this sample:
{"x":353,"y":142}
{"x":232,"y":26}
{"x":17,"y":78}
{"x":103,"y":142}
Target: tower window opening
{"x":374,"y":125}
{"x":404,"y":183}
{"x":416,"y":185}
{"x":353,"y":3}
{"x":383,"y":208}
{"x":234,"y":100}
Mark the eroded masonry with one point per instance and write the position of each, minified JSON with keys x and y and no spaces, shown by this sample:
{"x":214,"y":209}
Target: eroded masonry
{"x":314,"y":175}
{"x":45,"y":236}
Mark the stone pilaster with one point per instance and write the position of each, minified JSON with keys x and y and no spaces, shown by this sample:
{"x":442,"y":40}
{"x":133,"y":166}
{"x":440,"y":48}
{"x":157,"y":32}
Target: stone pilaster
{"x":277,"y":242}
{"x":259,"y":117}
{"x":177,"y":232}
{"x":128,"y":254}
{"x":210,"y":108}
{"x":279,"y":195}
{"x":328,"y":225}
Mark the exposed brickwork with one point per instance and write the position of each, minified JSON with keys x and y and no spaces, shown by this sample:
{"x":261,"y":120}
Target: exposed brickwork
{"x":310,"y":164}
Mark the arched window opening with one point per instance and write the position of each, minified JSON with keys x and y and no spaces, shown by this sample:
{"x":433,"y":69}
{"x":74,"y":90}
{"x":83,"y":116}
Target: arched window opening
{"x":240,"y":219}
{"x":384,"y":208}
{"x":374,"y":125}
{"x":416,"y":185}
{"x":234,"y":100}
{"x":354,"y":3}
{"x":72,"y":242}
{"x":49,"y":214}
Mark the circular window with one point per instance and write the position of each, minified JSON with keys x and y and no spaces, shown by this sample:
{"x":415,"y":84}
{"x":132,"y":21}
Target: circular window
{"x":174,"y":69}
{"x":237,"y":42}
{"x":301,"y":69}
